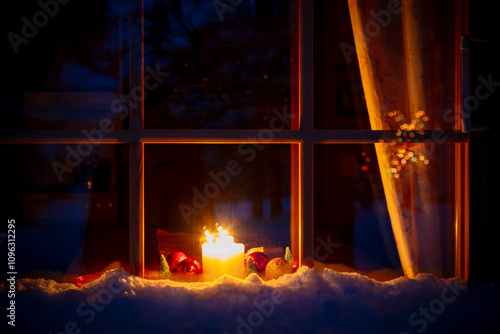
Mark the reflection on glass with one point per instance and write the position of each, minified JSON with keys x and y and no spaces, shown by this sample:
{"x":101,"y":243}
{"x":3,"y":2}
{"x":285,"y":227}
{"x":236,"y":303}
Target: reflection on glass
{"x":67,"y":224}
{"x":191,"y":188}
{"x":227,"y":70}
{"x":70,"y":71}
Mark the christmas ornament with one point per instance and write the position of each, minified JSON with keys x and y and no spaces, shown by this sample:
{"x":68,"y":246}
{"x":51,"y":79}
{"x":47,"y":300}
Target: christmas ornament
{"x":277,"y":267}
{"x":255,"y":249}
{"x":259,"y":259}
{"x":173,"y":260}
{"x":84,"y":279}
{"x":295,"y":265}
{"x":164,"y":270}
{"x":189,"y":266}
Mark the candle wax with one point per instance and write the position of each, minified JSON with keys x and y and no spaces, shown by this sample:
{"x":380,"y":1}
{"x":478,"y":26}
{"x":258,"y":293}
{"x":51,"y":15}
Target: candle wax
{"x":222,"y":257}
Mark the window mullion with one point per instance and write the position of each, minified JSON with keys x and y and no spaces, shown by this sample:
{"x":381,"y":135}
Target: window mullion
{"x":306,"y":218}
{"x":98,"y":136}
{"x":137,"y":146}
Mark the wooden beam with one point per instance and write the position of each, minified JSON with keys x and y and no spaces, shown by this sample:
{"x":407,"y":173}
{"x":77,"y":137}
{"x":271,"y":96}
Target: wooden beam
{"x":220,"y":136}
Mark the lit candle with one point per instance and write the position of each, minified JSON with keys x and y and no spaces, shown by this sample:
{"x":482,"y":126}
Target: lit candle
{"x":221,"y":256}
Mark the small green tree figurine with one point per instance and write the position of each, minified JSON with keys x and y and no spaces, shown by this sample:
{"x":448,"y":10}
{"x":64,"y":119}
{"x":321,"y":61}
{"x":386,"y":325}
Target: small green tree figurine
{"x":164,"y":268}
{"x":251,"y":267}
{"x":288,"y":255}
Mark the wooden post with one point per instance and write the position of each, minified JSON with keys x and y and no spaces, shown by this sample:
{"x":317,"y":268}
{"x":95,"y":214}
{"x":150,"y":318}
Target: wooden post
{"x":462,"y":178}
{"x":137,"y":209}
{"x":295,"y":148}
{"x":136,"y":147}
{"x":306,"y":124}
{"x":296,"y":195}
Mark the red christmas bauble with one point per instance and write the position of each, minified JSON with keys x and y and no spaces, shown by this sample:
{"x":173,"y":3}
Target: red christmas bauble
{"x":259,"y":259}
{"x":295,"y":265}
{"x":189,"y":267}
{"x":173,"y":260}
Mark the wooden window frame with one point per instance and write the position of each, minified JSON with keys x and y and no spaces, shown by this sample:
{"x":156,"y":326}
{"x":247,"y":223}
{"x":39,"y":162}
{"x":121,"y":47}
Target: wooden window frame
{"x":301,"y":137}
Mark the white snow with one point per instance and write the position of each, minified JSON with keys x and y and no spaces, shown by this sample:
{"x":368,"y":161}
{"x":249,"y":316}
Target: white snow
{"x":309,"y":301}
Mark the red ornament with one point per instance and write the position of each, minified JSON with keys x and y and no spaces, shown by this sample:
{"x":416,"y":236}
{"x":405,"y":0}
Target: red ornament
{"x":189,"y":267}
{"x":84,"y":279}
{"x":295,"y":265}
{"x":174,"y":259}
{"x":260,"y":260}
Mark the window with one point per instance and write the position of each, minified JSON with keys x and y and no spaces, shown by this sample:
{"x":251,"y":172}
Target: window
{"x":199,"y":113}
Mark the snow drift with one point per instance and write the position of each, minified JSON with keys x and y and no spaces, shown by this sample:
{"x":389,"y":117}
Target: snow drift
{"x":309,"y":301}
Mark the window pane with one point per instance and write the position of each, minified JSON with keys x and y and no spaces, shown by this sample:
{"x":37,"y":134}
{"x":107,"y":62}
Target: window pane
{"x":72,"y":219}
{"x":228,"y":66}
{"x":419,"y":185}
{"x":244,"y":188}
{"x":389,"y":62}
{"x":352,"y":225}
{"x":338,"y":93}
{"x":354,"y":230}
{"x":64,"y":64}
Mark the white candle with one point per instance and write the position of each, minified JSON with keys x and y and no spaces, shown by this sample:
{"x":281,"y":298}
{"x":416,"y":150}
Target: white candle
{"x":222,"y":256}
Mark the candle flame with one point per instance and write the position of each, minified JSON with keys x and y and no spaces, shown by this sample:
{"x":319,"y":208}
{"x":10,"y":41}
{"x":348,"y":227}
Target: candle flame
{"x":210,"y":238}
{"x":223,"y":235}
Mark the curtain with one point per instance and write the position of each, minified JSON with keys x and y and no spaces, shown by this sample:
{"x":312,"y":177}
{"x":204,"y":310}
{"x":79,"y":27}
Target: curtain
{"x":406,"y":56}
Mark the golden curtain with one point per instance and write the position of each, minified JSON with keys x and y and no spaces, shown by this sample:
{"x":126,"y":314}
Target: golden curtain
{"x":405,"y":52}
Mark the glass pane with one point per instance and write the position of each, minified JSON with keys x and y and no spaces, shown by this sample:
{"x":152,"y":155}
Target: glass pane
{"x":361,"y":210}
{"x":389,"y":62}
{"x":65,"y":64}
{"x":71,"y":217}
{"x":419,"y":184}
{"x":352,"y":226}
{"x":191,"y":187}
{"x":229,"y":66}
{"x":338,"y":93}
